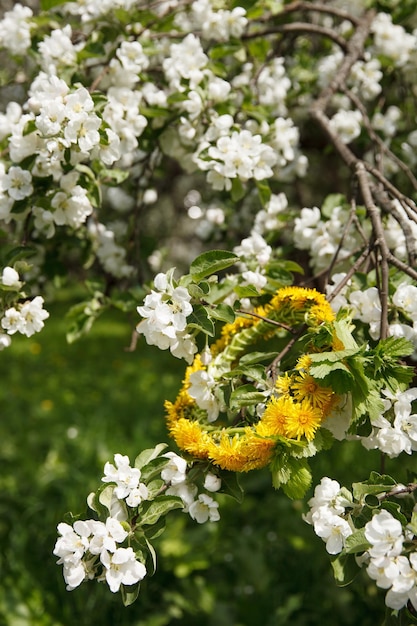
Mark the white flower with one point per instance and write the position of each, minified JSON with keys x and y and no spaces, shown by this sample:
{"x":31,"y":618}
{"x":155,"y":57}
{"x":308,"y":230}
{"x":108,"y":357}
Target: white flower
{"x":10,"y":278}
{"x":405,"y":298}
{"x":254,"y":248}
{"x":186,"y":490}
{"x":33,"y":314}
{"x":125,"y":476}
{"x":385,"y":535}
{"x":12,"y":321}
{"x":74,"y":574}
{"x":57,"y":50}
{"x":106,"y":536}
{"x":212,"y":482}
{"x":346,"y":124}
{"x":384,"y":570}
{"x":366,"y":305}
{"x":165,"y":312}
{"x":15,"y":29}
{"x":391,"y":40}
{"x":17,"y":182}
{"x":175,"y":470}
{"x":331,"y":528}
{"x":186,"y":60}
{"x":72,"y":545}
{"x":137,"y":495}
{"x":5,"y":341}
{"x":201,"y":383}
{"x":122,"y":568}
{"x":204,"y":509}
{"x":327,"y":494}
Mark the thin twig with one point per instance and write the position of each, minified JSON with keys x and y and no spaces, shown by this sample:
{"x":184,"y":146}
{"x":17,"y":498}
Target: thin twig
{"x":266,"y":319}
{"x":375,"y":216}
{"x":319,"y":8}
{"x":299,"y":27}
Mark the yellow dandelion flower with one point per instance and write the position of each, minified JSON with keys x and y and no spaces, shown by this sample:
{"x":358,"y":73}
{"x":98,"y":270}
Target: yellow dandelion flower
{"x":322,"y":312}
{"x":303,"y":421}
{"x":189,"y":436}
{"x":305,"y":386}
{"x":180,"y":408}
{"x":274,"y":419}
{"x":258,"y":450}
{"x":230,"y":330}
{"x":227,"y":453}
{"x":283,"y":383}
{"x":304,"y":362}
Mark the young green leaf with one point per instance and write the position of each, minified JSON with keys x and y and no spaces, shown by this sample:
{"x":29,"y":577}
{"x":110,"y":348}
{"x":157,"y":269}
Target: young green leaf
{"x":211,"y":262}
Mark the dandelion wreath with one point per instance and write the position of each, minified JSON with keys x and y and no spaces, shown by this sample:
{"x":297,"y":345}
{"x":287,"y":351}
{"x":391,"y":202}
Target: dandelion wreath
{"x":239,"y":414}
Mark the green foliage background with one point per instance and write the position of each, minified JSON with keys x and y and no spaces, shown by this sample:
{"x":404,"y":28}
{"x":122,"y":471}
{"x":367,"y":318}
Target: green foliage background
{"x":65,"y":410}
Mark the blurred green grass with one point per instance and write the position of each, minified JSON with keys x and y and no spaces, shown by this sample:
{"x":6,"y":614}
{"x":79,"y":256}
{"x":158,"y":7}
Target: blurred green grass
{"x":66,"y":409}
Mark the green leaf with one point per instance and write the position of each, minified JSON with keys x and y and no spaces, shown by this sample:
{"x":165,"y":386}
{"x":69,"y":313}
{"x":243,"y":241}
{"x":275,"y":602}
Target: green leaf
{"x":253,"y":372}
{"x":199,"y":319}
{"x":129,"y":594}
{"x":356,"y":542}
{"x":238,"y":190}
{"x":20,"y":252}
{"x":153,"y":469}
{"x":395,"y":347}
{"x":246,"y":395}
{"x":257,"y":357}
{"x":211,"y":262}
{"x":154,"y":531}
{"x":231,"y":485}
{"x":376,"y":484}
{"x":264,"y":191}
{"x":148,"y":455}
{"x":345,"y":569}
{"x":81,"y":318}
{"x":152,"y":554}
{"x":330,"y":203}
{"x":114,"y":177}
{"x":413,"y":523}
{"x":222,"y":312}
{"x":105,"y":497}
{"x":300,"y":479}
{"x":159,"y":507}
{"x":246,"y":291}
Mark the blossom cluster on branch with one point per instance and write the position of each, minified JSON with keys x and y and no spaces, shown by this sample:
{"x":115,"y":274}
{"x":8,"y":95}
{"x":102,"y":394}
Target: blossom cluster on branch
{"x":241,"y":177}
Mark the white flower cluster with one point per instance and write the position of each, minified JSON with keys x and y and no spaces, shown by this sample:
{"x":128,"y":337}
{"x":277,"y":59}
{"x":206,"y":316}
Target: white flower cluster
{"x":86,"y":545}
{"x":365,"y":305}
{"x":325,"y":233}
{"x":387,"y":565}
{"x":395,"y":431}
{"x":165,"y":313}
{"x":219,"y":25}
{"x":15,"y":29}
{"x":94,"y":549}
{"x":346,"y":125}
{"x":327,"y":514}
{"x":239,"y":155}
{"x":111,"y":255}
{"x":200,"y":507}
{"x":391,"y":40}
{"x":364,"y":78}
{"x":127,"y":480}
{"x":389,"y":562}
{"x":26,"y":318}
{"x":323,"y":237}
{"x":255,"y":254}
